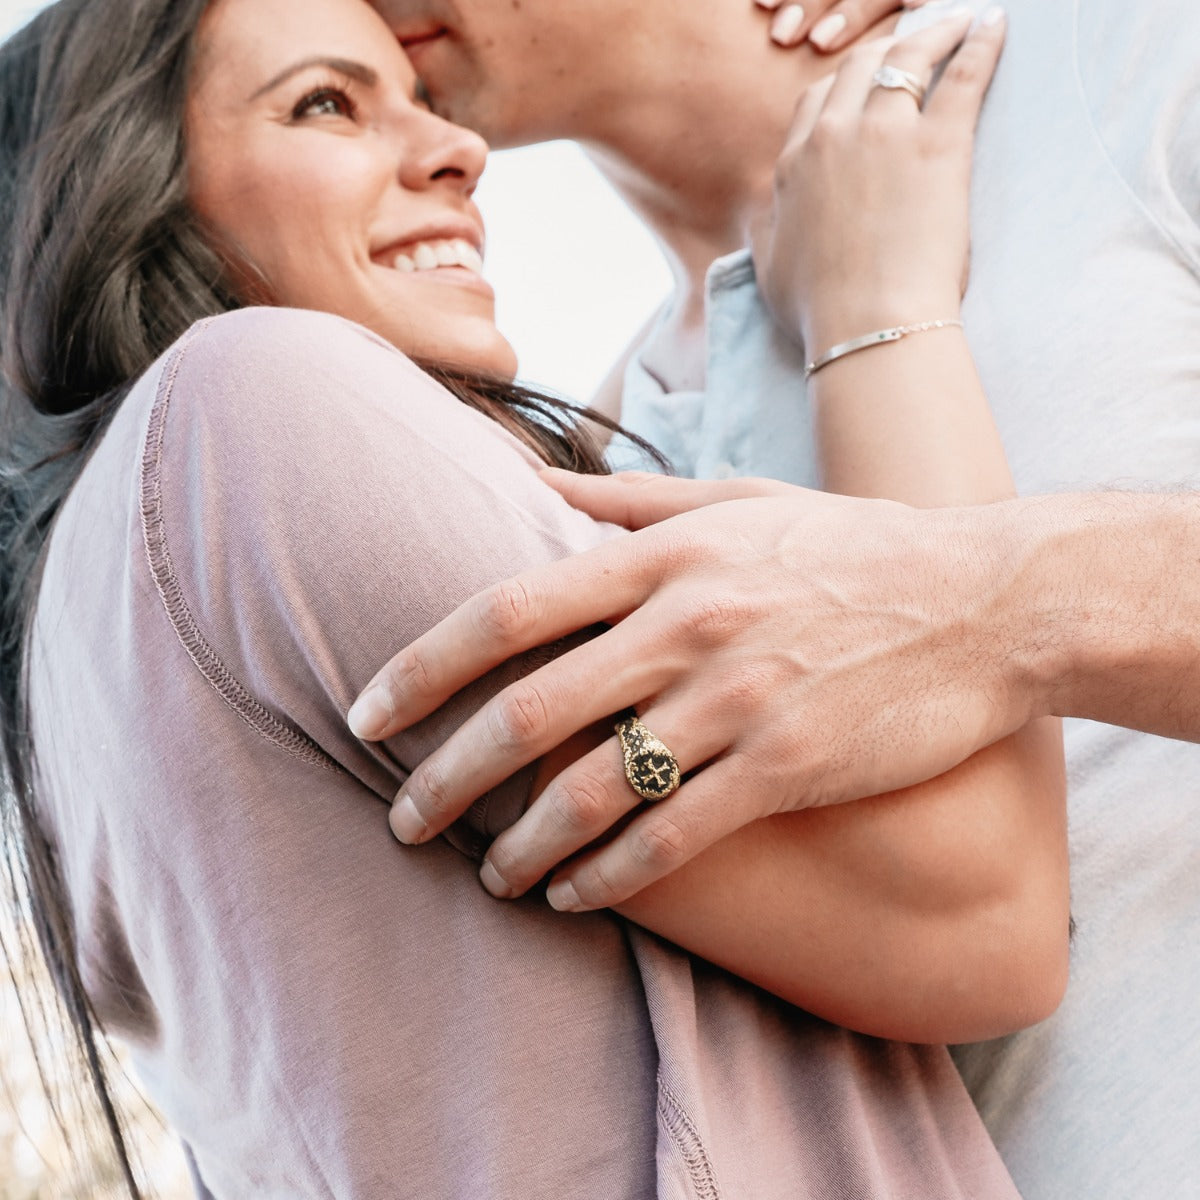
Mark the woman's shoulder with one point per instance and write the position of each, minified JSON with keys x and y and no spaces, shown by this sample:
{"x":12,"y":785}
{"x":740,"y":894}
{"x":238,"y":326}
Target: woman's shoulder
{"x":287,"y":349}
{"x":275,"y":389}
{"x":303,"y":330}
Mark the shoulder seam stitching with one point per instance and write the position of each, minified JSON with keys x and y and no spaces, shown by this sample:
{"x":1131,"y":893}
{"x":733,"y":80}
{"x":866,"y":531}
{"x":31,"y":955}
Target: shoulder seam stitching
{"x":688,"y":1142}
{"x":162,"y":570}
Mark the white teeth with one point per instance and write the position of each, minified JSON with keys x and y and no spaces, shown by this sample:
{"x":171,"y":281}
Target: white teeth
{"x":469,"y":257}
{"x":425,"y":257}
{"x":445,"y":252}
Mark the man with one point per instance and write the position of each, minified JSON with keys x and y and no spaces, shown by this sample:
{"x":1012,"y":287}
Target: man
{"x":925,"y":636}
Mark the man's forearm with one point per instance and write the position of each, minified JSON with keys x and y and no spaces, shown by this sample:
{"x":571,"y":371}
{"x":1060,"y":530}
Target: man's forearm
{"x":1099,"y":606}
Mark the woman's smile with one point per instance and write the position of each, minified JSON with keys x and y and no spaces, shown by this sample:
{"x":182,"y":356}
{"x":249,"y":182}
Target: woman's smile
{"x":307,"y":128}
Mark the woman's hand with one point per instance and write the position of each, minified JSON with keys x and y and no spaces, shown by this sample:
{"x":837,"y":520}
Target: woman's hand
{"x":827,"y":24}
{"x":869,"y":227}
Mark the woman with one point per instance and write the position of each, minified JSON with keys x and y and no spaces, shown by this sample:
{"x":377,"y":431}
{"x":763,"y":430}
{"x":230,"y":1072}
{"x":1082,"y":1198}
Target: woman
{"x":215,"y":593}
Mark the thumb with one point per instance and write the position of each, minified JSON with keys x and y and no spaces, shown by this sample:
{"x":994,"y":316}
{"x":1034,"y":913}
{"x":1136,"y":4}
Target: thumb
{"x":635,"y":499}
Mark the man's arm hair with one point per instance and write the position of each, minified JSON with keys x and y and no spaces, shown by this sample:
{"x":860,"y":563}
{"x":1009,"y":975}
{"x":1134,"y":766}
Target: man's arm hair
{"x":1098,"y":606}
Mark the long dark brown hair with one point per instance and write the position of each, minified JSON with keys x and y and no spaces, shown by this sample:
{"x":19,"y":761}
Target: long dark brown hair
{"x":104,"y":268}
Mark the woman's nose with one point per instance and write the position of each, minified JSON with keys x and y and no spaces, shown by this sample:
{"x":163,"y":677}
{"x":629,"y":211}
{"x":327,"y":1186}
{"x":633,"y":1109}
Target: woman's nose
{"x":441,"y":151}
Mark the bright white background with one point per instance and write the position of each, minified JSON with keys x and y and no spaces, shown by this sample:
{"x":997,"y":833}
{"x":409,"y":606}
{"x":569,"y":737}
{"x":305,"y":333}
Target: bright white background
{"x":575,"y":274}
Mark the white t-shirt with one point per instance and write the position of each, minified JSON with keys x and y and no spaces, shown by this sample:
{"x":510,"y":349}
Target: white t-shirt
{"x":1084,"y":316}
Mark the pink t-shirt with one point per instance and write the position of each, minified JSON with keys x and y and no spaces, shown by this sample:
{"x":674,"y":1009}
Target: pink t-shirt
{"x":281,"y":503}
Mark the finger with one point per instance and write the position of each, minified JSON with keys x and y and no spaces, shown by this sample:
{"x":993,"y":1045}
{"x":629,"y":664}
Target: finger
{"x":852,"y":81}
{"x":582,"y":804}
{"x":613,"y":672}
{"x":790,"y":24}
{"x":919,"y":56}
{"x":812,"y":102}
{"x":922,"y":51}
{"x":660,"y":840}
{"x":531,"y":609}
{"x":846,"y":21}
{"x":636,"y":499}
{"x":958,"y":96}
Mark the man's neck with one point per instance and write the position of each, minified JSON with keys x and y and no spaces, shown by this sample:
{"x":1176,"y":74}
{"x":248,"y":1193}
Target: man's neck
{"x":695,"y":113}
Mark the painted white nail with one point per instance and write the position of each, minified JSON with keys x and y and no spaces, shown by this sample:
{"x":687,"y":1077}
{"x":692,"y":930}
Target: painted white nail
{"x":424,"y":257}
{"x":785,"y":28}
{"x":827,"y":31}
{"x":404,"y":264}
{"x":993,"y":16}
{"x":769,"y":5}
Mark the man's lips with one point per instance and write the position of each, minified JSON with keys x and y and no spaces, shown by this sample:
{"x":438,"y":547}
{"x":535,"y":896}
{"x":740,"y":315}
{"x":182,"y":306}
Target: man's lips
{"x":409,"y":40}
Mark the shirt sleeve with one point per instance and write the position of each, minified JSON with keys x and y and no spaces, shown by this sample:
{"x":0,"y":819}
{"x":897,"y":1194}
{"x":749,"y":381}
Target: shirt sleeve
{"x":312,"y":502}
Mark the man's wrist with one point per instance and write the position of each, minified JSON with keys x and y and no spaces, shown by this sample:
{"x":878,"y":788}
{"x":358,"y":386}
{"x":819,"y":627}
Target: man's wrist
{"x":1100,"y":606}
{"x":1034,"y":613}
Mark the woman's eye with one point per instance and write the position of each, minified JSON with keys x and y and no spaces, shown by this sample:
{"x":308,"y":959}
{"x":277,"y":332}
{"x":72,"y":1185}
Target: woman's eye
{"x":326,"y":102}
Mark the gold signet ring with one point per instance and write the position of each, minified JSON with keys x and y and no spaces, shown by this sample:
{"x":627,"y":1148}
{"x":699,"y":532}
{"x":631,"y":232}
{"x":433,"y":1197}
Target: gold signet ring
{"x":652,"y":770}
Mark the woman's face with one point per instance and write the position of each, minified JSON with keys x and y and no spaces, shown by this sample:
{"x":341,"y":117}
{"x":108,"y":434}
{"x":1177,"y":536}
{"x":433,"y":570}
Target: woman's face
{"x":328,"y":183}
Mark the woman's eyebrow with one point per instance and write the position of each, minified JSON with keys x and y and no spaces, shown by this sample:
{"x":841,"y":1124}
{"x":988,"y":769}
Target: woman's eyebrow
{"x":343,"y":66}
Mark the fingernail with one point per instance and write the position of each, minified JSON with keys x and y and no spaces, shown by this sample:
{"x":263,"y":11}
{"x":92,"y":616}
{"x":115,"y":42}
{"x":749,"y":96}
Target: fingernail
{"x":827,"y":31}
{"x":495,"y":882}
{"x":563,"y":896}
{"x":785,"y":28}
{"x":993,"y":16}
{"x":370,"y":713}
{"x":407,"y":823}
{"x":769,"y":5}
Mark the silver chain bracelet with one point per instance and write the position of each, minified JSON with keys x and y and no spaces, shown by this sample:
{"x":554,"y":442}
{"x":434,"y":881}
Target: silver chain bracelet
{"x":874,"y":339}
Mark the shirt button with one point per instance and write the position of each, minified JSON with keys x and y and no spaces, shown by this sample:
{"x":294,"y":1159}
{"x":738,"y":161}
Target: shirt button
{"x":725,"y":470}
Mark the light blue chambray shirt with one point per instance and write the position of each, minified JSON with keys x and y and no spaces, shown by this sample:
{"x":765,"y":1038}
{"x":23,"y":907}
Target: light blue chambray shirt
{"x":1084,"y":316}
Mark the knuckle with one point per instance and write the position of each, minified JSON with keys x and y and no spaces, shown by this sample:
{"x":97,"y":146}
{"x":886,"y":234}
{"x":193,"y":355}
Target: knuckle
{"x":597,"y":887}
{"x":743,"y":691}
{"x":660,"y":844}
{"x":508,"y":863}
{"x":414,"y":675}
{"x":429,"y":789}
{"x":518,"y":717}
{"x":506,"y":611}
{"x":583,"y":805}
{"x":713,"y":620}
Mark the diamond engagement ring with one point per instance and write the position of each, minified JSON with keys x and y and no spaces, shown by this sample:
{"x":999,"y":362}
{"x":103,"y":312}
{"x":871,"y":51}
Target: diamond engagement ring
{"x":904,"y":81}
{"x":652,"y":770}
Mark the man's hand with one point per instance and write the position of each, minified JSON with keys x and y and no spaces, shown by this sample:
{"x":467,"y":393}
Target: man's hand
{"x":828,"y":25}
{"x":792,"y":648}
